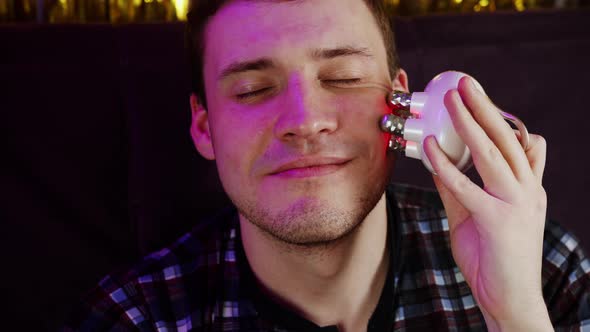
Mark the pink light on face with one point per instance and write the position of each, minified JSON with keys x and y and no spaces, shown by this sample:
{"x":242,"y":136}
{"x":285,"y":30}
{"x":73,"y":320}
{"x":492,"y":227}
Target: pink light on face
{"x":297,"y":145}
{"x":297,"y":32}
{"x":259,"y":34}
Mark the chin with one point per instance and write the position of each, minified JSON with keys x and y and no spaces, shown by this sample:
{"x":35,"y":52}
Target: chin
{"x":312,"y":220}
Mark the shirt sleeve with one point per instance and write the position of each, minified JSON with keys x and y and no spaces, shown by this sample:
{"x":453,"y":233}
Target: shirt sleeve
{"x":566,"y":280}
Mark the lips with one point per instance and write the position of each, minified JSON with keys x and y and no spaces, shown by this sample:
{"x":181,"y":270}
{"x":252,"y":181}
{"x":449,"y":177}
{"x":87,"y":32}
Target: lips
{"x":308,"y":167}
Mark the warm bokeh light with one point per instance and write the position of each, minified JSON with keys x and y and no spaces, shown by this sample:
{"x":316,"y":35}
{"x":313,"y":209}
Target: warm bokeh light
{"x":181,"y":7}
{"x":482,"y":5}
{"x":130,"y":11}
{"x":519,"y":5}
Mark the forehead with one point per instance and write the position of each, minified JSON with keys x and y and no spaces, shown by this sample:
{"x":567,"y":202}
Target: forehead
{"x":243,"y":30}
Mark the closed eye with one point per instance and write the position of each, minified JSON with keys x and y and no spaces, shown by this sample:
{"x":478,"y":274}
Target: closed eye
{"x":343,"y":81}
{"x":252,"y":94}
{"x":247,"y":96}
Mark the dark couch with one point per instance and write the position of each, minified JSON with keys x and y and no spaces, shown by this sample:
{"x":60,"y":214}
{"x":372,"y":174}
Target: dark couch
{"x":99,"y":169}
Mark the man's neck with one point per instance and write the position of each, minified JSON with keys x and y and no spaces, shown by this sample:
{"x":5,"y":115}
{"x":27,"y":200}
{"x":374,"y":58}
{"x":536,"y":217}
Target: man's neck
{"x":336,"y":284}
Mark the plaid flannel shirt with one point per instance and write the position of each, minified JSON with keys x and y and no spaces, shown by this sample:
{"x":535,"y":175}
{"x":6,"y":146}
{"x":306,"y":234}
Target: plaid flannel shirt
{"x":203,"y":282}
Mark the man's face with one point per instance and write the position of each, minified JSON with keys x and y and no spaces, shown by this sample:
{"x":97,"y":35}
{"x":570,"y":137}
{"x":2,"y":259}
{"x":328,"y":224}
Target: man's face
{"x":293,"y":125}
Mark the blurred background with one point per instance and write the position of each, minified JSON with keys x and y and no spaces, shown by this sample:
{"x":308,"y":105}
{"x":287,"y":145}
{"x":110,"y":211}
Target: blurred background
{"x":98,"y":168}
{"x":126,"y":11}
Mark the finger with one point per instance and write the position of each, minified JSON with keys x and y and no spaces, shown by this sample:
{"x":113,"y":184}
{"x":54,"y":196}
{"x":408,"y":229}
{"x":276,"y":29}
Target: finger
{"x":537,"y":155}
{"x":461,"y":187}
{"x":497,"y":129}
{"x":491,"y":165}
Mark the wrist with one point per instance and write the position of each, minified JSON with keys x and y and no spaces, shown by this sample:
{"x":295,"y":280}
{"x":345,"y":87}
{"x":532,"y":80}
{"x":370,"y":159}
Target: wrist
{"x":530,"y":324}
{"x":530,"y":319}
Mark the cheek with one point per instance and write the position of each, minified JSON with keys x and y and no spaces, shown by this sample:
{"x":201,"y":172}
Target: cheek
{"x":239,"y":138}
{"x":362,"y":116}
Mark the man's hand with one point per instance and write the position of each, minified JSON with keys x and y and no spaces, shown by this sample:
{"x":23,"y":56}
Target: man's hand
{"x":496,"y":231}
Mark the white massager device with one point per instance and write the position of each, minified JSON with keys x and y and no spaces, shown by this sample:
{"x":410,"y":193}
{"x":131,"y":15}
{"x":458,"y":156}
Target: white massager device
{"x":418,"y":115}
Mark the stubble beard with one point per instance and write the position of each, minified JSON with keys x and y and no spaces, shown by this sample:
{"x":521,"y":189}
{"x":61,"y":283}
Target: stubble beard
{"x":312,"y":222}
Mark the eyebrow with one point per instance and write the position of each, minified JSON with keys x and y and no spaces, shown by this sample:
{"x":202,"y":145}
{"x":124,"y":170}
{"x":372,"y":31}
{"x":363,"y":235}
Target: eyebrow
{"x":331,"y":53}
{"x":243,"y":66}
{"x":316,"y":54}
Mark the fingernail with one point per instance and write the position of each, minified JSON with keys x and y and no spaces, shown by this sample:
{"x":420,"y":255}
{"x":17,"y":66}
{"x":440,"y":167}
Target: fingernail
{"x":476,"y":86}
{"x":428,"y":141}
{"x":472,"y":82}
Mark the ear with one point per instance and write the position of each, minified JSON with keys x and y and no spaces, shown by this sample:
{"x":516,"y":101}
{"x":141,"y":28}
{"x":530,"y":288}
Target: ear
{"x":400,"y":82}
{"x":200,"y":131}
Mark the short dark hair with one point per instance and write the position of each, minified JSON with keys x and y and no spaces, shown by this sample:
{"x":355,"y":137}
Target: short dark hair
{"x":200,"y":11}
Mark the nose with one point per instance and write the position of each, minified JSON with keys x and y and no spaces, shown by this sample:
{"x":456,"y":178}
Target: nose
{"x":305,"y":114}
